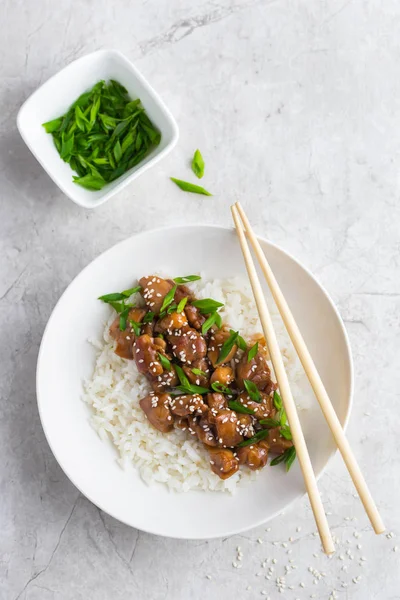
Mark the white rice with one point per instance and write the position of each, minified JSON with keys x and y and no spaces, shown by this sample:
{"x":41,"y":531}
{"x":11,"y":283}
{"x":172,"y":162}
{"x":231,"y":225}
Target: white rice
{"x":175,"y":459}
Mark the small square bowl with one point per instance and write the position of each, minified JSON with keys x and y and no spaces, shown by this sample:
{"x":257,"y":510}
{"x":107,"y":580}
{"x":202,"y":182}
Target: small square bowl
{"x":54,"y":98}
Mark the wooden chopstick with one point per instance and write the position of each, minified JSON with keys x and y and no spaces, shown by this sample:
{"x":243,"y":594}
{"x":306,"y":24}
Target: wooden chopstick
{"x":315,"y":381}
{"x":285,"y":391}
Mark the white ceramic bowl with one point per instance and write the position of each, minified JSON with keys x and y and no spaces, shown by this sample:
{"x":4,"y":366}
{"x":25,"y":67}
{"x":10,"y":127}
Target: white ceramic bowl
{"x":54,"y":98}
{"x":66,"y":358}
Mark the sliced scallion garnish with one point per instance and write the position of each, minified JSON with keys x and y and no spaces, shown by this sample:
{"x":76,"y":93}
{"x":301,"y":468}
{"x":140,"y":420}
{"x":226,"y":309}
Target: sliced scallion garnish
{"x":252,"y":352}
{"x":187,"y":278}
{"x":252,"y":390}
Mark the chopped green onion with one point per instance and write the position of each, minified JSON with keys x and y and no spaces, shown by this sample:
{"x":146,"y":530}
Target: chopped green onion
{"x":198,"y":164}
{"x":241,"y":343}
{"x":118,"y":306}
{"x":260,"y":435}
{"x":182,"y":305}
{"x":282,"y":417}
{"x":239,"y":408}
{"x":123,"y":317}
{"x":208,"y":323}
{"x":148,"y":317}
{"x":112,"y":297}
{"x":291,"y":456}
{"x":227,"y":346}
{"x":135,"y":326}
{"x":119,"y":295}
{"x":269,"y":422}
{"x":286,"y":433}
{"x":165,"y":363}
{"x":221,"y":388}
{"x":207,"y":305}
{"x":252,"y":390}
{"x":186,"y":386}
{"x":128,"y":293}
{"x":171,"y":308}
{"x":287,"y":457}
{"x":103,"y":127}
{"x":187,"y":278}
{"x":199,"y":372}
{"x":186,"y":186}
{"x":168,"y":298}
{"x":277,"y":401}
{"x":252,"y":352}
{"x":193,"y":389}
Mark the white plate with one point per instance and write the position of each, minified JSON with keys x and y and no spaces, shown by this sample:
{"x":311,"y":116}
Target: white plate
{"x":66,"y":358}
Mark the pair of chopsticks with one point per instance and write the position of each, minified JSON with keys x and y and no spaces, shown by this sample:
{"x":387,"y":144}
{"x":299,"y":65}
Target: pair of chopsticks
{"x":310,"y":369}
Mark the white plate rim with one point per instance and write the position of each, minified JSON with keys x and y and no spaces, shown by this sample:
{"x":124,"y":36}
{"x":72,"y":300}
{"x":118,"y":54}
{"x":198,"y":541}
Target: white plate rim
{"x":349,"y":357}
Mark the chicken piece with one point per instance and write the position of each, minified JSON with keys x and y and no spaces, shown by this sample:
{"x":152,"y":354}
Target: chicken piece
{"x":223,"y":375}
{"x":223,"y":462}
{"x":188,"y":404}
{"x":182,"y":291}
{"x":162,"y":344}
{"x":168,"y":379}
{"x":254,"y":456}
{"x":201,"y":364}
{"x":257,"y":371}
{"x":194,"y":316}
{"x":154,"y":291}
{"x":245,"y":425}
{"x":156,"y":409}
{"x":217,"y":339}
{"x":171,"y":322}
{"x":228,"y":428}
{"x":203,"y":430}
{"x":146,"y":356}
{"x":277,"y":443}
{"x":262,"y":410}
{"x":187,"y":345}
{"x":125,"y":339}
{"x":181,"y":423}
{"x":216,"y":402}
{"x":148,"y":328}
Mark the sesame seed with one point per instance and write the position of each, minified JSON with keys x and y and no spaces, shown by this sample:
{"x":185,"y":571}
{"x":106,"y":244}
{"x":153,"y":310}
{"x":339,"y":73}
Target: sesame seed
{"x":395,"y":549}
{"x":208,"y":576}
{"x":259,"y":541}
{"x":298,"y":529}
